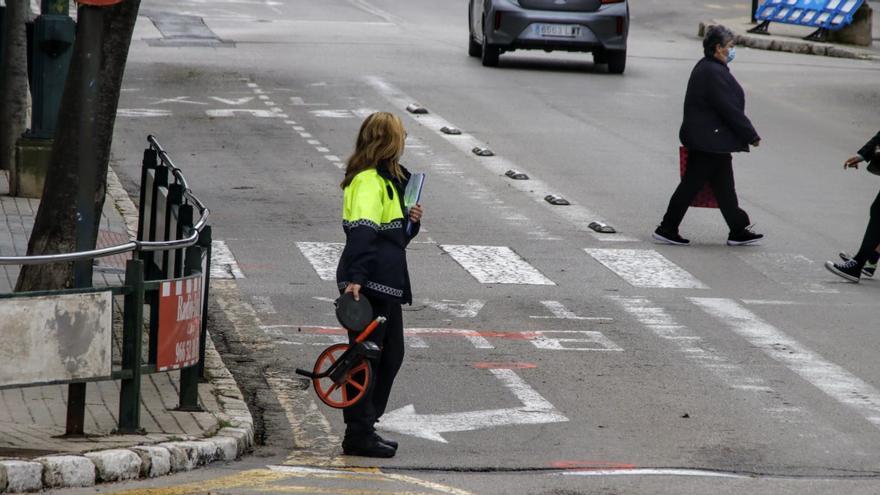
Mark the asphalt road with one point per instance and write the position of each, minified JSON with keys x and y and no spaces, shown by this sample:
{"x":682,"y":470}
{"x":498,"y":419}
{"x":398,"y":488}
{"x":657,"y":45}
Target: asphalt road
{"x":542,"y":357}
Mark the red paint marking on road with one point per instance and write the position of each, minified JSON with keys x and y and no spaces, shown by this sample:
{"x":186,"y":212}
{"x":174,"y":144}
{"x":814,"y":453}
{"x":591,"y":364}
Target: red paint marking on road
{"x":505,"y":366}
{"x":441,"y":332}
{"x":591,"y":465}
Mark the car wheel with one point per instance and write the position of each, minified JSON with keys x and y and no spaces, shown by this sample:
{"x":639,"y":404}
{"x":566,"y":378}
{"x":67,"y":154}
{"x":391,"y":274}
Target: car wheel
{"x":616,"y":61}
{"x":490,"y":55}
{"x":474,"y":48}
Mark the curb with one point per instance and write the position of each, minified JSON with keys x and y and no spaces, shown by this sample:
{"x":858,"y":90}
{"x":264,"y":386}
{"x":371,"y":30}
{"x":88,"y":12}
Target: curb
{"x":142,"y":461}
{"x":794,"y":45}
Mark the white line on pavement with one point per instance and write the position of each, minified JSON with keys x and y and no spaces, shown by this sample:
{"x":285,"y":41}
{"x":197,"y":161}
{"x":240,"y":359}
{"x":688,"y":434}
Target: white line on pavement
{"x":561,"y":312}
{"x":263,"y":305}
{"x":495,"y":265}
{"x":652,"y":472}
{"x":324,"y":257}
{"x":223,"y":264}
{"x":793,"y":271}
{"x":646,"y":268}
{"x":838,"y":383}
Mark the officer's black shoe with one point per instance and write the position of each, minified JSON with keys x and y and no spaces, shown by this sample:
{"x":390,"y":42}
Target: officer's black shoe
{"x":367,"y":446}
{"x":390,"y":443}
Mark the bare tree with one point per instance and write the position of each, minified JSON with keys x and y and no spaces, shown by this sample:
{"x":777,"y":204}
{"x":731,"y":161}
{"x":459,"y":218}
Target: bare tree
{"x":91,"y":97}
{"x":13,"y":79}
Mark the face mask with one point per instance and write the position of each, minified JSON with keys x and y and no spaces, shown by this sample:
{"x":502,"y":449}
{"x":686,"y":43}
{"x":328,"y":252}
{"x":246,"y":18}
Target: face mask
{"x":731,"y":54}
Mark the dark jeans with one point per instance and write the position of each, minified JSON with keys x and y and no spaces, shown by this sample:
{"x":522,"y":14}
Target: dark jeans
{"x":361,"y":417}
{"x":717,"y":170}
{"x":868,"y":250}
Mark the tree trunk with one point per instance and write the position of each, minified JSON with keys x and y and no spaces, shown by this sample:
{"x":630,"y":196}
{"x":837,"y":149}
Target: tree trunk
{"x":13,"y":80}
{"x":55,"y":227}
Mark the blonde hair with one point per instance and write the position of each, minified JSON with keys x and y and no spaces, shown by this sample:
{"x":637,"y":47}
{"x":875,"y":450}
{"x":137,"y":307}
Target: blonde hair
{"x":379,"y":144}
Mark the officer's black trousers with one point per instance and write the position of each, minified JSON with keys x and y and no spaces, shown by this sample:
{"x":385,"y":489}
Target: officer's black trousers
{"x":717,"y":170}
{"x":868,"y":249}
{"x":361,"y":417}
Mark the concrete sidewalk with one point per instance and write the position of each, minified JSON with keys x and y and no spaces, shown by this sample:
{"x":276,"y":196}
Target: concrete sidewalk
{"x":789,"y":38}
{"x":32,"y":419}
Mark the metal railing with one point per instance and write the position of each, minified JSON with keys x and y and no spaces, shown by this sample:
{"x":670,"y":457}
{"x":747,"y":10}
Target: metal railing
{"x":170,"y":247}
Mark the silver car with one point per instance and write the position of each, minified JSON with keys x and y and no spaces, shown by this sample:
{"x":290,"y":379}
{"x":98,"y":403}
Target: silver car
{"x":598,"y":26}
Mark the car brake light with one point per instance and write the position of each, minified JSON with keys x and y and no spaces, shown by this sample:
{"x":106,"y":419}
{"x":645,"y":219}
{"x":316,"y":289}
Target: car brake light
{"x":619,"y":25}
{"x":497,"y":20}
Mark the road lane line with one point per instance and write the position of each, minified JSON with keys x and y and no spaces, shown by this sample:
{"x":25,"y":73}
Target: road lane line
{"x":579,"y":216}
{"x":560,"y":312}
{"x":835,"y":381}
{"x":645,"y":268}
{"x":495,"y":265}
{"x":323,"y":256}
{"x":792,"y":271}
{"x":223,"y":264}
{"x":654,"y":472}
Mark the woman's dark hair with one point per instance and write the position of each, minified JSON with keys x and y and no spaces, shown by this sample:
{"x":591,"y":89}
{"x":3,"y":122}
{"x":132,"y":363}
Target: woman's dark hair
{"x":716,"y":35}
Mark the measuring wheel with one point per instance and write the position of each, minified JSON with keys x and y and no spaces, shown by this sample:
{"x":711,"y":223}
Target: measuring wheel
{"x":350,"y":387}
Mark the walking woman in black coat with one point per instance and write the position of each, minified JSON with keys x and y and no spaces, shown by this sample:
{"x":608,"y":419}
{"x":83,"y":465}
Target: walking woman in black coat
{"x":865,"y":260}
{"x":714,"y":126}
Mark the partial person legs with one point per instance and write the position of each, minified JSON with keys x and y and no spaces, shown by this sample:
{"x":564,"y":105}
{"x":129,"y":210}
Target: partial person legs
{"x":360,"y":419}
{"x":865,"y":260}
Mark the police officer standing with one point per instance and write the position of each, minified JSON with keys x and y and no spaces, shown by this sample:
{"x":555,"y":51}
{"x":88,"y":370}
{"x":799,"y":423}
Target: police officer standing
{"x":373,"y":265}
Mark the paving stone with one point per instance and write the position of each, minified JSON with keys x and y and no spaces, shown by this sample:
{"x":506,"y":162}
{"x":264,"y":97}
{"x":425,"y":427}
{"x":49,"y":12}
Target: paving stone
{"x":116,"y":464}
{"x":22,"y":476}
{"x":155,"y":461}
{"x":64,"y":471}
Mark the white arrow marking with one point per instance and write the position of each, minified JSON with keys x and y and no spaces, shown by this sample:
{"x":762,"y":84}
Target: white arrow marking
{"x":233,"y":101}
{"x":534,"y":410}
{"x":459,"y":309}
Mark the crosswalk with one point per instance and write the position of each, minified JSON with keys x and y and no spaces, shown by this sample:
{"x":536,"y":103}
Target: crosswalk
{"x":640,"y":268}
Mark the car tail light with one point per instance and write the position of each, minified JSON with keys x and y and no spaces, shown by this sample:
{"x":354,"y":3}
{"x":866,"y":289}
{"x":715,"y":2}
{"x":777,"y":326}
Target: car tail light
{"x":620,"y":26}
{"x":497,"y":20}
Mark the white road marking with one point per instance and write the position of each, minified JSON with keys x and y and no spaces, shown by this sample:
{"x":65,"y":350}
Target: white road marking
{"x":321,"y":149}
{"x":793,"y":271}
{"x":298,"y":101}
{"x":561,"y":312}
{"x":233,"y":101}
{"x":305,"y":135}
{"x":314,"y":142}
{"x":232,"y":112}
{"x":534,"y":410}
{"x":495,"y":265}
{"x":645,"y":268}
{"x":588,"y":340}
{"x":324,"y":257}
{"x":142,"y":112}
{"x":658,"y":321}
{"x":299,"y":128}
{"x":578,"y":215}
{"x":471,"y":336}
{"x":263,"y":305}
{"x":332,"y":114}
{"x":653,"y":472}
{"x":223,"y":264}
{"x":835,"y":381}
{"x":332,"y":158}
{"x":263,"y":97}
{"x":467,"y":309}
{"x":276,"y":109}
{"x":290,"y":122}
{"x":764,"y":302}
{"x":178,"y":99}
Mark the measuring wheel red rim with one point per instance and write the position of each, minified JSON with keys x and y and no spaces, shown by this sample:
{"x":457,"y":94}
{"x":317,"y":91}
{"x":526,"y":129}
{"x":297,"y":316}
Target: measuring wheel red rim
{"x":338,"y":395}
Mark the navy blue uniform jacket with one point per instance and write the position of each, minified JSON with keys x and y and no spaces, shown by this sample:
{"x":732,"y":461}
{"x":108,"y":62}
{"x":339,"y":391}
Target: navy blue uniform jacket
{"x":714,"y":111}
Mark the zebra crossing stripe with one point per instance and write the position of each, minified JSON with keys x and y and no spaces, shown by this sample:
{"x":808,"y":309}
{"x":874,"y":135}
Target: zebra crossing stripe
{"x":223,"y":264}
{"x":324,"y":256}
{"x":835,"y":381}
{"x":645,"y":268}
{"x":793,"y":271}
{"x":495,"y":265}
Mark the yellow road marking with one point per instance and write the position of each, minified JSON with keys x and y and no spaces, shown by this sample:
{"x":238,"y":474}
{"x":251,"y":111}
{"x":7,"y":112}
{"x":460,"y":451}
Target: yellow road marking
{"x":252,"y":479}
{"x":340,"y":491}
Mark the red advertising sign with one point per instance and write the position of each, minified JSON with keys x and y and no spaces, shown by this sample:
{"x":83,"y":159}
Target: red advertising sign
{"x":180,"y":323}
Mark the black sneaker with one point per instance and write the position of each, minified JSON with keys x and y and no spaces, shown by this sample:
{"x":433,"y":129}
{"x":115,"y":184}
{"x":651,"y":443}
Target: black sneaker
{"x":867,"y":270}
{"x":744,"y":238}
{"x":663,"y":235}
{"x":391,"y":443}
{"x":849,"y":270}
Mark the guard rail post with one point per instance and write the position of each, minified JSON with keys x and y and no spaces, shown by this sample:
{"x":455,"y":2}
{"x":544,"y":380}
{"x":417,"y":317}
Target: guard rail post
{"x":179,"y":221}
{"x":205,"y":244}
{"x":189,"y":376}
{"x":132,"y":341}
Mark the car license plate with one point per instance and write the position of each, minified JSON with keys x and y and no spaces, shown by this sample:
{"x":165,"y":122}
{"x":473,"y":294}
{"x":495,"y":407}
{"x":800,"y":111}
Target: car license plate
{"x":558,"y":30}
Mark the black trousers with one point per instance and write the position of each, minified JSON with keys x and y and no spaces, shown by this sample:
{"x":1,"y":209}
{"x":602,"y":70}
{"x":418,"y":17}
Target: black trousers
{"x":717,"y":170}
{"x":868,"y":249}
{"x":361,"y":418}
